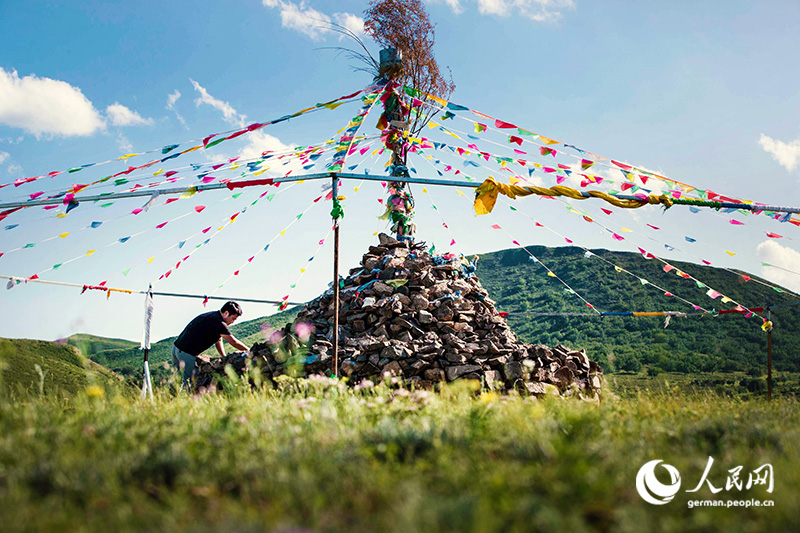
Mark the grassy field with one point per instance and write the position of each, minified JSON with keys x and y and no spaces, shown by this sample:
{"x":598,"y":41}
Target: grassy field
{"x":317,"y":456}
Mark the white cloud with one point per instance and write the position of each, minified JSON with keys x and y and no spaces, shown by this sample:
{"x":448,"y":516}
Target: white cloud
{"x":537,"y":10}
{"x":258,"y":142}
{"x":46,"y":106}
{"x":493,"y":7}
{"x":171,"y":99}
{"x":124,"y":144}
{"x":313,"y":23}
{"x":3,"y":157}
{"x":781,"y":256}
{"x":227,"y":110}
{"x":349,"y":21}
{"x":455,"y":6}
{"x":122,"y":116}
{"x":787,"y":155}
{"x":15,"y":170}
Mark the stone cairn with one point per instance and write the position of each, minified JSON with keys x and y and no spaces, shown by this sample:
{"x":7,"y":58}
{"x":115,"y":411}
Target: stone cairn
{"x":419,"y":317}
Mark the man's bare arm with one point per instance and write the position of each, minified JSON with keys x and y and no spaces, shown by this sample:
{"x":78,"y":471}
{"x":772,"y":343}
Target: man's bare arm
{"x":220,"y":348}
{"x":233,"y":341}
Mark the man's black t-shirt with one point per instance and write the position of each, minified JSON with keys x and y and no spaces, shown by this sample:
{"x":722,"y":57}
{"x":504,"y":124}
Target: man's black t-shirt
{"x":202,"y":333}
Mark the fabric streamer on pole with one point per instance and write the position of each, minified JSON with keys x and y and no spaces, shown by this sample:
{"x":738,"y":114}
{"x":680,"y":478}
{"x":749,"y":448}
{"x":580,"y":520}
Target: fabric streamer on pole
{"x":147,"y":386}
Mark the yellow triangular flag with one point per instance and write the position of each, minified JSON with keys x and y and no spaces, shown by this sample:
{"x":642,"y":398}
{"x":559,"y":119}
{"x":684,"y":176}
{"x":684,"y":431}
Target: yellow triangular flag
{"x":159,"y":171}
{"x":61,"y":215}
{"x":283,"y":232}
{"x":433,"y":124}
{"x":90,"y":252}
{"x":618,"y":269}
{"x":730,"y":253}
{"x":725,"y":299}
{"x":356,"y":189}
{"x":63,"y":235}
{"x":260,"y":172}
{"x":551,"y":274}
{"x":191,"y":192}
{"x":545,"y":140}
{"x":235,"y":166}
{"x":150,"y":260}
{"x":302,"y":270}
{"x":626,"y":229}
{"x":334,"y":105}
{"x":459,"y":192}
{"x":424,"y":189}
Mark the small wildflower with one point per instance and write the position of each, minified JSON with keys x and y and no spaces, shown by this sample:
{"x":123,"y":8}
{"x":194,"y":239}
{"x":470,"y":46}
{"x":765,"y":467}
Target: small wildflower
{"x":95,"y":391}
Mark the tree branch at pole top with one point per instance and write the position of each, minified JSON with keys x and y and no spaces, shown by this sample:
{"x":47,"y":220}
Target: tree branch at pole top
{"x":17,"y":279}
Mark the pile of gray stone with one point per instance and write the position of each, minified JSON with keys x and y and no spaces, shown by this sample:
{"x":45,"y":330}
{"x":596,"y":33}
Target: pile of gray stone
{"x":419,"y":317}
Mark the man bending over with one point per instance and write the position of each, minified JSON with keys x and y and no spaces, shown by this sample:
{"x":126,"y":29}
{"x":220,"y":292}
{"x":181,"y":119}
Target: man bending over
{"x":206,"y":330}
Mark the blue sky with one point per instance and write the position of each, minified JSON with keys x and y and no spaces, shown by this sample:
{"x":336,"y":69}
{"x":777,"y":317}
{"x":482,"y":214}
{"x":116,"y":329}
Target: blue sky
{"x":703,"y":93}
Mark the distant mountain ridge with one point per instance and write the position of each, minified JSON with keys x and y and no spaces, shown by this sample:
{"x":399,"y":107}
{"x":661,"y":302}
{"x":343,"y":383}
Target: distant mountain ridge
{"x":690,"y":344}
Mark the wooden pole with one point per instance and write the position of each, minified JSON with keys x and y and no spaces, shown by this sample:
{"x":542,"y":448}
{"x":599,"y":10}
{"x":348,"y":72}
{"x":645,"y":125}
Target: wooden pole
{"x":335,"y":283}
{"x":769,"y":359}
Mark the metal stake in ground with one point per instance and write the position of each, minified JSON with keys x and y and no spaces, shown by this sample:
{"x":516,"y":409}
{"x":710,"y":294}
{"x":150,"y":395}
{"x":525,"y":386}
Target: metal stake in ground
{"x":336,"y":214}
{"x":769,"y":357}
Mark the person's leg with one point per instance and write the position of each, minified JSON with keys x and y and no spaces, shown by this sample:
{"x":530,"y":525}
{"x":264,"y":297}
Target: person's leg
{"x":185,"y":361}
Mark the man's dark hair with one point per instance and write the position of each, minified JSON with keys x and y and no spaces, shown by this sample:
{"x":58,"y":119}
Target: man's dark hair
{"x":232,"y":308}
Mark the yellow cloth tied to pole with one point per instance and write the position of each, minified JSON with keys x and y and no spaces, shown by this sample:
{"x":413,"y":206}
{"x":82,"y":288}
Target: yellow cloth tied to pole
{"x":486,"y":195}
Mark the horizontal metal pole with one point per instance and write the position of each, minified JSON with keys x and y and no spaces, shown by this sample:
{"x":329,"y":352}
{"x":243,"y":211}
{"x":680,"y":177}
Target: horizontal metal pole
{"x":369,"y":177}
{"x":215,"y":186}
{"x":133,"y":291}
{"x":226,"y":298}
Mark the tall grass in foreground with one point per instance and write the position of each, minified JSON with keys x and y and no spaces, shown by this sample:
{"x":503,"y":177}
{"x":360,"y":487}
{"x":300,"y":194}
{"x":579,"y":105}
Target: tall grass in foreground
{"x":320,"y":456}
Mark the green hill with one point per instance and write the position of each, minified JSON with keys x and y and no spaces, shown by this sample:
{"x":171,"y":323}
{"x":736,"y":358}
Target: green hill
{"x":125,"y":357}
{"x":689,"y":344}
{"x":61,"y":368}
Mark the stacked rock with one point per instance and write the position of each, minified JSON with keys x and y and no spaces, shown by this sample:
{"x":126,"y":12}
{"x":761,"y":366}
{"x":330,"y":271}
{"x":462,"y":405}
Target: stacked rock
{"x":423,"y":318}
